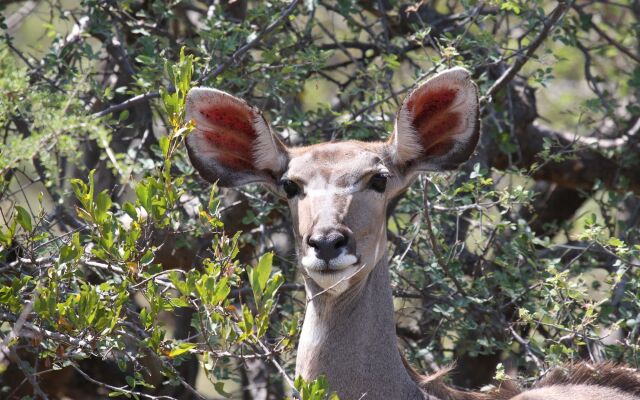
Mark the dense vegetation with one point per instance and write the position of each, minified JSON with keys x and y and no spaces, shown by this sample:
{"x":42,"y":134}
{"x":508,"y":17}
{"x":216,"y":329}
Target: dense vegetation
{"x":123,"y":274}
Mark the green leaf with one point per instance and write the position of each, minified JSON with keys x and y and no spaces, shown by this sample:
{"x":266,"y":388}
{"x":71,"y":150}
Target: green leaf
{"x":181,"y":349}
{"x":219,"y":387}
{"x":511,"y":6}
{"x":164,"y":145}
{"x":130,"y":209}
{"x":147,"y":258}
{"x":102,"y":206}
{"x":24,"y":218}
{"x":123,"y":115}
{"x":68,"y":253}
{"x":222,"y":290}
{"x":260,"y":274}
{"x":615,"y":242}
{"x":178,"y":302}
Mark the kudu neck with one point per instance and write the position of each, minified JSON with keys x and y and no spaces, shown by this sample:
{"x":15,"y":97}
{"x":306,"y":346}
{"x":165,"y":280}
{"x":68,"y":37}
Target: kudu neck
{"x":351,"y":339}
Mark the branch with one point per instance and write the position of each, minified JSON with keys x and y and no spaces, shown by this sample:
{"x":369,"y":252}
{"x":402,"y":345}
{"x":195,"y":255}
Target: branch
{"x":434,"y":244}
{"x":15,"y":20}
{"x":511,"y":72}
{"x":127,"y":392}
{"x":127,"y":104}
{"x":235,"y":57}
{"x":60,"y":337}
{"x":608,"y":38}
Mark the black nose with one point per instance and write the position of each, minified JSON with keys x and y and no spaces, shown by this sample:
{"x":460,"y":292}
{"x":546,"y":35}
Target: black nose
{"x":329,"y":245}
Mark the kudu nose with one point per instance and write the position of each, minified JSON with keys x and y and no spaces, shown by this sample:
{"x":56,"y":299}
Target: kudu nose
{"x":328,"y":245}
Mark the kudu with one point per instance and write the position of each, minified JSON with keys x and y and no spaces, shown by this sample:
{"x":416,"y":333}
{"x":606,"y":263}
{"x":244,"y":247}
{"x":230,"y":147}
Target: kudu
{"x":338,"y":195}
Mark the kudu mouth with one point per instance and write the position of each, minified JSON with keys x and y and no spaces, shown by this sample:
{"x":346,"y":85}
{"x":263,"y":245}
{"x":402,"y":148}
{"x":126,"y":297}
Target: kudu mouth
{"x":312,"y":263}
{"x":332,"y":268}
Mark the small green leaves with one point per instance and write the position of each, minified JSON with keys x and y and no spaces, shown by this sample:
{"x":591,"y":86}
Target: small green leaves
{"x":317,"y":389}
{"x":510,"y":5}
{"x":181,"y":349}
{"x":264,"y":290}
{"x":615,"y":242}
{"x":71,"y":251}
{"x":259,"y":275}
{"x":102,"y":206}
{"x":24,"y":218}
{"x":180,"y":75}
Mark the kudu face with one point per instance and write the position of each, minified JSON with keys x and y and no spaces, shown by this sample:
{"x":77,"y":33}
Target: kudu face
{"x":337,"y":192}
{"x":341,"y":191}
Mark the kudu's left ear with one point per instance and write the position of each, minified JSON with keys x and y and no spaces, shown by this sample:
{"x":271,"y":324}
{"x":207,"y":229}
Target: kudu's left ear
{"x":438,"y":126}
{"x":232,"y":143}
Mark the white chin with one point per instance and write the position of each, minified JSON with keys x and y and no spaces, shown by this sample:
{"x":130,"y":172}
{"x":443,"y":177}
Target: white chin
{"x":333,"y":282}
{"x":334,"y":278}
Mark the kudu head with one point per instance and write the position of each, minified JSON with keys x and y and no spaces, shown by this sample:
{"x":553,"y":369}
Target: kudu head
{"x":337,"y":192}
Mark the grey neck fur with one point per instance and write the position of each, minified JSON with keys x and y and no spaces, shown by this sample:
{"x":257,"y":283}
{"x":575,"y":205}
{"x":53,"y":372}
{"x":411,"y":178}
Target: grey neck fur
{"x":351,"y":339}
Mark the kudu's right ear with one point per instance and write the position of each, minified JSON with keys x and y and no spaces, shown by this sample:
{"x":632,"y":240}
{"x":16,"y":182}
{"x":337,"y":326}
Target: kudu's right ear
{"x":438,"y":126}
{"x":232,"y":143}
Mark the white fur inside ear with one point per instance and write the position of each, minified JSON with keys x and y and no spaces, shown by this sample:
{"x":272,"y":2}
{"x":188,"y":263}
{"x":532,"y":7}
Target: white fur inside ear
{"x":406,"y":140}
{"x":267,"y":152}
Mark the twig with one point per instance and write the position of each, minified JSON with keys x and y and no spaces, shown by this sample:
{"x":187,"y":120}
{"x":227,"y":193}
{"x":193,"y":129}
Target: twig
{"x":31,"y":378}
{"x":154,"y":276}
{"x":15,"y":330}
{"x":118,"y":389}
{"x":268,"y":354}
{"x":435,"y":247}
{"x":608,"y":38}
{"x":132,"y":102}
{"x":511,"y":72}
{"x":74,"y":341}
{"x":284,"y":374}
{"x":527,"y":347}
{"x":242,"y":50}
{"x":343,"y":279}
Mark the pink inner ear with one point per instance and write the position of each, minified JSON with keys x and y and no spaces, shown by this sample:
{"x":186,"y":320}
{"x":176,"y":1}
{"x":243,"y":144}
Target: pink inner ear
{"x":433,"y":121}
{"x":230,"y":130}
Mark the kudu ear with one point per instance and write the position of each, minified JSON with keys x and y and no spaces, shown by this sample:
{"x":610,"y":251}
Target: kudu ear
{"x":232,"y":143}
{"x":438,"y":126}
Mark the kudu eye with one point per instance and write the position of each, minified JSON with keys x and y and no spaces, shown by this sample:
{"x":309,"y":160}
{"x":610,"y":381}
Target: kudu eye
{"x":290,"y":188}
{"x":378,"y":183}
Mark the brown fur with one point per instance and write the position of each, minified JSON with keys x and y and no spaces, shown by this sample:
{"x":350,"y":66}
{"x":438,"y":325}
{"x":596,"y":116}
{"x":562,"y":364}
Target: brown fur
{"x":604,"y":375}
{"x":434,"y":385}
